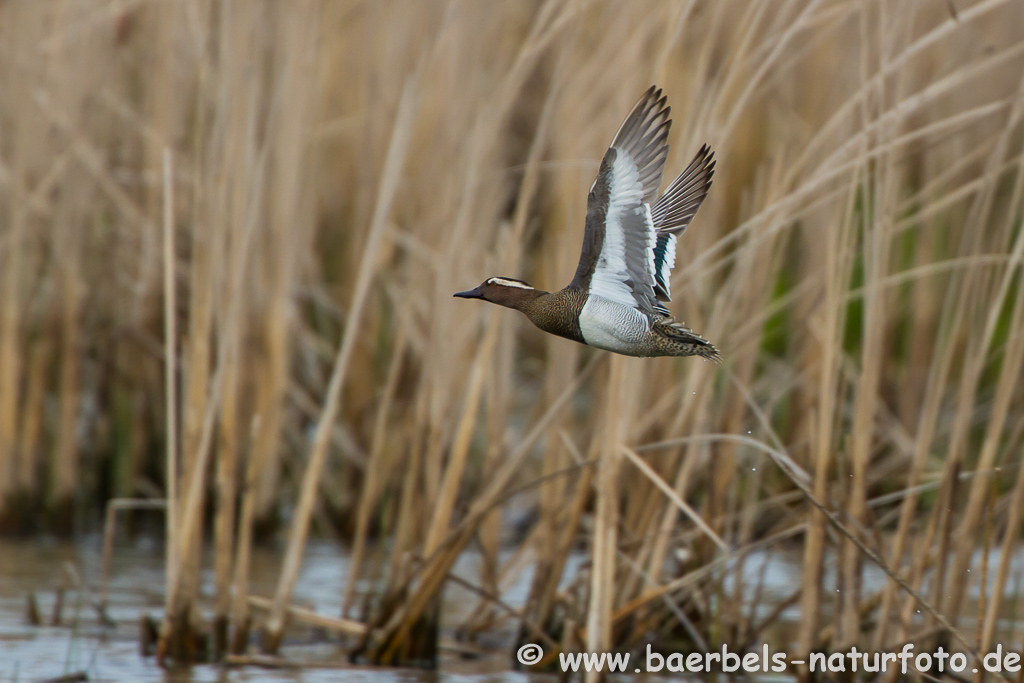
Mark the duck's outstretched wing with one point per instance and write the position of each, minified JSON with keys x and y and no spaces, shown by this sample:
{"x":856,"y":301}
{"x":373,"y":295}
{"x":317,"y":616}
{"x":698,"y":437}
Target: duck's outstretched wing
{"x":673,"y":212}
{"x":617,"y":261}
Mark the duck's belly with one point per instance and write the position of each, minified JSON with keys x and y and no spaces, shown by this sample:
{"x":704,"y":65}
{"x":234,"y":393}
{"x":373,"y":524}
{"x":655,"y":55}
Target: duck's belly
{"x":611,"y":326}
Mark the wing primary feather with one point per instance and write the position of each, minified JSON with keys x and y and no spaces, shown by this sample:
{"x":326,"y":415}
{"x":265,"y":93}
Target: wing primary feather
{"x":686,"y":184}
{"x":643,"y":136}
{"x":672,"y":213}
{"x":674,"y":209}
{"x":702,"y":161}
{"x":629,"y":242}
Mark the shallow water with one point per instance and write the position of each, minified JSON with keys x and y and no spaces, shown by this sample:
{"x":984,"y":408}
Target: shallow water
{"x":80,"y":643}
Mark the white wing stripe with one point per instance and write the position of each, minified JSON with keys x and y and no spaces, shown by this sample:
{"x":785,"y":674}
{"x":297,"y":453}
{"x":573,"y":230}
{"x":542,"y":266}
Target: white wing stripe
{"x":626,"y":193}
{"x":609,"y":276}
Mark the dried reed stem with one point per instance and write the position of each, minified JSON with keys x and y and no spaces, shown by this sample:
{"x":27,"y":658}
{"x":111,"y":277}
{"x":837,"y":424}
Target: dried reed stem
{"x":170,"y":371}
{"x":311,"y":478}
{"x":368,"y":494}
{"x":604,"y":542}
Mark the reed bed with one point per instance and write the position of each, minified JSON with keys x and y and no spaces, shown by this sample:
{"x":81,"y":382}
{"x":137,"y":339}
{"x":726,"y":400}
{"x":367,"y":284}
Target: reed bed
{"x":230,"y":234}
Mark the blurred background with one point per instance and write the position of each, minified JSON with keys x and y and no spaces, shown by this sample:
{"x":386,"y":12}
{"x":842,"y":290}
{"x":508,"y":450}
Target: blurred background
{"x":229,"y":236}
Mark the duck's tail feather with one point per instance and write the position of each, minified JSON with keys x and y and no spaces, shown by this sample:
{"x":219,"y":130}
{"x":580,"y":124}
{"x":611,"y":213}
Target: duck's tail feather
{"x":694,"y":343}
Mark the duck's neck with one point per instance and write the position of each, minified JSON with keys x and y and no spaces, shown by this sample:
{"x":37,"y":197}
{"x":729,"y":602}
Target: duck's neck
{"x":558,"y":312}
{"x":520,"y":299}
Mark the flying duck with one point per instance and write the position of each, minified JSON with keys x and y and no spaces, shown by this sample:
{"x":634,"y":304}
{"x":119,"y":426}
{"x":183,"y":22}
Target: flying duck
{"x":616,"y":299}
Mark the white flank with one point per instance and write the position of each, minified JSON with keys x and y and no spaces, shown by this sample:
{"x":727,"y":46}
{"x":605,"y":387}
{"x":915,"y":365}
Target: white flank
{"x":612,"y":326}
{"x":508,"y":283}
{"x":625,"y":195}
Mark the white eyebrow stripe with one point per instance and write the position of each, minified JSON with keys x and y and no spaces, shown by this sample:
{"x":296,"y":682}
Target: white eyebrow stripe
{"x":508,"y":283}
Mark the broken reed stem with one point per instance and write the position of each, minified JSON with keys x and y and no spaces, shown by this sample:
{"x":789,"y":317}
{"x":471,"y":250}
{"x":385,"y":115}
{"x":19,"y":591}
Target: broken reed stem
{"x":227,"y":466}
{"x":956,"y":308}
{"x":604,"y":539}
{"x":243,"y":551}
{"x":115,"y":505}
{"x":1006,"y":552}
{"x":177,"y":580}
{"x":345,"y":627}
{"x":368,"y":494}
{"x":983,"y":595}
{"x":405,"y":525}
{"x":974,"y":365}
{"x":72,"y":223}
{"x":820,"y":422}
{"x":892,"y":574}
{"x":10,"y":347}
{"x":397,"y":149}
{"x":675,"y":498}
{"x":170,"y":372}
{"x":499,"y":386}
{"x":875,"y":255}
{"x":33,"y":418}
{"x":434,"y":569}
{"x":782,"y":459}
{"x":291,"y":226}
{"x":235,"y":203}
{"x":1013,"y":361}
{"x":65,"y":468}
{"x":798,"y":481}
{"x":441,"y":518}
{"x":176,"y":641}
{"x":228,"y":450}
{"x":288,"y":217}
{"x":865,"y":406}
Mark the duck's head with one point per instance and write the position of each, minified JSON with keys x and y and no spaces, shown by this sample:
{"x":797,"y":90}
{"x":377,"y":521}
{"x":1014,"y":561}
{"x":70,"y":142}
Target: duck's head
{"x":504,"y":291}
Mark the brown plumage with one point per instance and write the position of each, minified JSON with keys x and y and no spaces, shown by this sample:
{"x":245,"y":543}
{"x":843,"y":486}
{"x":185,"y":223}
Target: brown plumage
{"x":615,"y":299}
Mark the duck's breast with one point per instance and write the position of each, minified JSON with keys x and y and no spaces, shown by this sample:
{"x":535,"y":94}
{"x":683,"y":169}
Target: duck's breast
{"x":612,"y":326}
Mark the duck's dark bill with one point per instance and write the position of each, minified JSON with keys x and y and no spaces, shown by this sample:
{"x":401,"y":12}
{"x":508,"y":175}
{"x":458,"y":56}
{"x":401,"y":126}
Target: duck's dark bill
{"x":470,"y":294}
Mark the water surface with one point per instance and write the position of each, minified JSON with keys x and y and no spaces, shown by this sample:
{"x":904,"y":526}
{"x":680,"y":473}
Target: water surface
{"x":111,"y":653}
